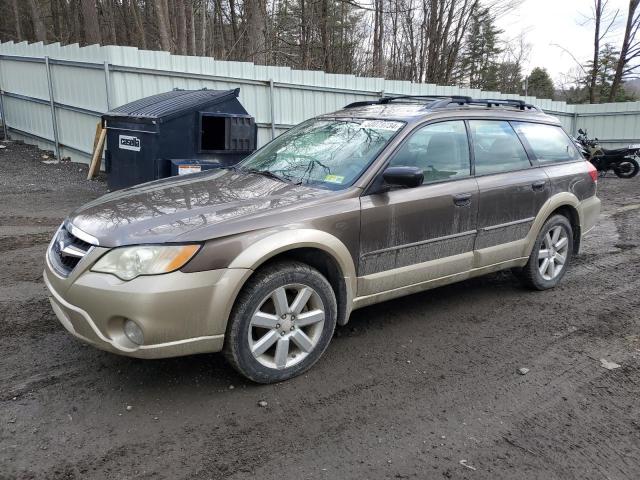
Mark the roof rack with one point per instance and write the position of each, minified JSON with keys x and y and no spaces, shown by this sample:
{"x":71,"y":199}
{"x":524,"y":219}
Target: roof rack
{"x":433,"y":102}
{"x":385,"y":100}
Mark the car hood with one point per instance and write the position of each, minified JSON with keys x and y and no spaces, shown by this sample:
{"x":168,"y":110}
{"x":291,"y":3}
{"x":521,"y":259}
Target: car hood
{"x":192,"y":208}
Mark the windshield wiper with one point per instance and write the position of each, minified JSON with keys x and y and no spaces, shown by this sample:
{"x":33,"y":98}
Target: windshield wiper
{"x":264,"y":173}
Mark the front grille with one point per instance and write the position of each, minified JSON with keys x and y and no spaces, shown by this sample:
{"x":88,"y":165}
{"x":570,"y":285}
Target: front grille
{"x":66,"y":251}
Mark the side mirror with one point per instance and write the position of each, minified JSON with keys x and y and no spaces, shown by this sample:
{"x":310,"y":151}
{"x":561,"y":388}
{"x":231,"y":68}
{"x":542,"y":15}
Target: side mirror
{"x":581,"y":131}
{"x":403,"y":176}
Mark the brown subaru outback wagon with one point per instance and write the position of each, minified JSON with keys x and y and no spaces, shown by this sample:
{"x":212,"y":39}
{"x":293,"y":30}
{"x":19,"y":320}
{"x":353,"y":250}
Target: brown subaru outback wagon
{"x":378,"y":200}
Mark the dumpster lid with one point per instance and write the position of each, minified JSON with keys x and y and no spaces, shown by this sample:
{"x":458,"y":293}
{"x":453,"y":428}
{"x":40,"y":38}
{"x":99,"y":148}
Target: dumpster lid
{"x":172,"y":103}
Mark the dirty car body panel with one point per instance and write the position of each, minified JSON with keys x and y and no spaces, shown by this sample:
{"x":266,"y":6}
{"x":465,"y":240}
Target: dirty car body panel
{"x":381,"y":243}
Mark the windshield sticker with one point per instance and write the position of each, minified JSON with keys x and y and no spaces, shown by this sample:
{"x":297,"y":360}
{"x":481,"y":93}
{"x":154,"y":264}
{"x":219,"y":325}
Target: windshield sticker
{"x":381,"y":125}
{"x":334,"y":178}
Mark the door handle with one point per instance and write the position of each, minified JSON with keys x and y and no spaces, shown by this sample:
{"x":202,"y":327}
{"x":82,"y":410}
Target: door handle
{"x":462,"y":199}
{"x":539,"y":185}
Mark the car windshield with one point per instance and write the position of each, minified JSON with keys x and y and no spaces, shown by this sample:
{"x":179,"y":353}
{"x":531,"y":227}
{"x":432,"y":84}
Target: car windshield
{"x":329,"y":153}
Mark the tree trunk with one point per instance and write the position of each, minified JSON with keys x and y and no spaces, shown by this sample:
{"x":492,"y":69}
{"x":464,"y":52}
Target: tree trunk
{"x":16,"y":16}
{"x":596,"y":50}
{"x":130,"y":36}
{"x":304,"y":57}
{"x":255,"y":34}
{"x":111,"y":22}
{"x":630,"y":29}
{"x":141,"y":33}
{"x":38,"y":24}
{"x":191,"y":30}
{"x":181,"y":20}
{"x":234,"y":25}
{"x":378,"y":39}
{"x":324,"y":33}
{"x":203,"y":27}
{"x":90,"y":24}
{"x":55,"y":21}
{"x":163,"y":25}
{"x":224,"y":51}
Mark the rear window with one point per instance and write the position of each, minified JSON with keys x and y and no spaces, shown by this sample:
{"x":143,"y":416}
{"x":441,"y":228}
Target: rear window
{"x":548,"y":142}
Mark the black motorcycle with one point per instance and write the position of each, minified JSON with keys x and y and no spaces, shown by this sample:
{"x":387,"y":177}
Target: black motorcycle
{"x":623,"y":161}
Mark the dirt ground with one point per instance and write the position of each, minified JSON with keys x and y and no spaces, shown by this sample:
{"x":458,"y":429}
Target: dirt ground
{"x":421,"y":387}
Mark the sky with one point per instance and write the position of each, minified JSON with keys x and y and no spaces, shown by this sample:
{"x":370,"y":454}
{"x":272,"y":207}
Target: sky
{"x":548,"y":22}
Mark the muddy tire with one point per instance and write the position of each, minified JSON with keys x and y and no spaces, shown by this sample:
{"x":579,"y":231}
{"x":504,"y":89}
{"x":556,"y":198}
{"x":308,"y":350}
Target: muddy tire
{"x":281,"y":323}
{"x":551,"y":255}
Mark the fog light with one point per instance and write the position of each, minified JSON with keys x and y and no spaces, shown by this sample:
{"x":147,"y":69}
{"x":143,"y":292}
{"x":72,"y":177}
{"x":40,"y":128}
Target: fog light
{"x":133,"y":332}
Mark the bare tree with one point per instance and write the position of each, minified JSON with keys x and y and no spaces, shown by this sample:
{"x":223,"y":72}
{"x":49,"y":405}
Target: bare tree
{"x":38,"y":24}
{"x":254,"y":31}
{"x":17,"y":20}
{"x":139,"y":25}
{"x":90,"y":25}
{"x":162,"y":12}
{"x":204,"y":6}
{"x":599,"y":16}
{"x":630,"y":50}
{"x":181,"y":33}
{"x":378,"y":38}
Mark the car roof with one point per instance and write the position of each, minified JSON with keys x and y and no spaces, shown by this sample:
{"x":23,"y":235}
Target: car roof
{"x":412,"y":112}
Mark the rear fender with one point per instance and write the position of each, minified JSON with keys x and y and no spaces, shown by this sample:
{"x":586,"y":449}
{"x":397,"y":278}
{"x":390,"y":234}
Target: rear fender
{"x":559,"y":200}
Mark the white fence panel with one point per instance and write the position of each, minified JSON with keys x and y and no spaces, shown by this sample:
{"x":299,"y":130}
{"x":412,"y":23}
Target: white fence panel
{"x":88,"y":81}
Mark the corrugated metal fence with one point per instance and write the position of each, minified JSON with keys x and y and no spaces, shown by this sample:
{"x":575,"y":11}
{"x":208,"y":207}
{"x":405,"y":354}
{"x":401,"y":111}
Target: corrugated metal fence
{"x":53,"y":95}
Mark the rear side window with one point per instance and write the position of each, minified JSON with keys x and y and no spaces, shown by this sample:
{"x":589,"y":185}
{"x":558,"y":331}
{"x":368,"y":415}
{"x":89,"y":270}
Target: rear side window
{"x":549,"y":143}
{"x":441,"y":150}
{"x":496,"y":147}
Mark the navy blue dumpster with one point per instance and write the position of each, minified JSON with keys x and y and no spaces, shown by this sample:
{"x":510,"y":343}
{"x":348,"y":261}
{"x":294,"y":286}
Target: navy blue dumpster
{"x":144,"y":136}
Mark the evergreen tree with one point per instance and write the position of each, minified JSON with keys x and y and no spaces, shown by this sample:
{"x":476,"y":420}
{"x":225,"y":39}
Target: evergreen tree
{"x":605,"y":74}
{"x":510,"y":77}
{"x":480,"y":57}
{"x":540,"y":84}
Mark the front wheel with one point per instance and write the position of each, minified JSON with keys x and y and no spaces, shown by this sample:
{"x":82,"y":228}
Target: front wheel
{"x":281,"y":323}
{"x":627,"y":168}
{"x":550,"y":256}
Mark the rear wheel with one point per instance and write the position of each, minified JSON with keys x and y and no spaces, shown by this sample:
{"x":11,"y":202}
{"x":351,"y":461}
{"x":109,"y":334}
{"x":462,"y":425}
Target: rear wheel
{"x":627,"y":169}
{"x":550,"y":256}
{"x":282,"y":322}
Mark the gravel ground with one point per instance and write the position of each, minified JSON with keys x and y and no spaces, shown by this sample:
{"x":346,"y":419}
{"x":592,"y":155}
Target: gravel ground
{"x":422,"y":387}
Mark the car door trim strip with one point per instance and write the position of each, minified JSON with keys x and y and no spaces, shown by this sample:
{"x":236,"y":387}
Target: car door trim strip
{"x":417,"y":244}
{"x":508,"y":224}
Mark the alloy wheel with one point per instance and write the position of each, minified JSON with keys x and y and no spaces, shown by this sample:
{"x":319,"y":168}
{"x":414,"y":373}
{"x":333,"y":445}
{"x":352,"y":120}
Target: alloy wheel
{"x":286,"y":326}
{"x":553,"y":252}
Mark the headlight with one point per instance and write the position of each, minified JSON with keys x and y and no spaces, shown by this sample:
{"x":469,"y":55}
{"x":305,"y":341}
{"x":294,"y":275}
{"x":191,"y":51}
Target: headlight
{"x":127,"y":263}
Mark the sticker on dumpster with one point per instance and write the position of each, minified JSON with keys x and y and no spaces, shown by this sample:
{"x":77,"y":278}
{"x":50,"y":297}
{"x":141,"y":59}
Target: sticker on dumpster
{"x":186,"y":169}
{"x":129,"y":143}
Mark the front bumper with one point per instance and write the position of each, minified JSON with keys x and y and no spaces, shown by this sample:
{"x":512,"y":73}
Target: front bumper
{"x":178,"y":313}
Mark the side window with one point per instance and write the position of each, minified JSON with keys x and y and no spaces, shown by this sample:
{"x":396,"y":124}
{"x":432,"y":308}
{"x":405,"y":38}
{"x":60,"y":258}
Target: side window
{"x":548,"y":142}
{"x":441,"y":150}
{"x":496,"y":147}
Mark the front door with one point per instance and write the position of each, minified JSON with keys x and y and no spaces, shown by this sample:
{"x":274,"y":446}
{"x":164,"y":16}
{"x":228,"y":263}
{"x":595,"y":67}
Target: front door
{"x":512,"y":191}
{"x":406,"y":233}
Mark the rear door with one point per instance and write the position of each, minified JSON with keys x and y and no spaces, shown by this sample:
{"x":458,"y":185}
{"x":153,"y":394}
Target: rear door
{"x":406,"y":232}
{"x":511,"y":190}
{"x":558,"y":156}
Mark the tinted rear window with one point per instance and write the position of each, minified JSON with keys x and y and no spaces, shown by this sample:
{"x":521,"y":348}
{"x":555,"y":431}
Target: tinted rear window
{"x":548,"y":142}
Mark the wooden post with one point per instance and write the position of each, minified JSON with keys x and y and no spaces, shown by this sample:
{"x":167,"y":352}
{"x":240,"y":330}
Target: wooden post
{"x":98,"y":147}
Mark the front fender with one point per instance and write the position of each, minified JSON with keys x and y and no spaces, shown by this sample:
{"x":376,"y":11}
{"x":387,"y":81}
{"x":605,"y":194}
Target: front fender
{"x":280,"y":242}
